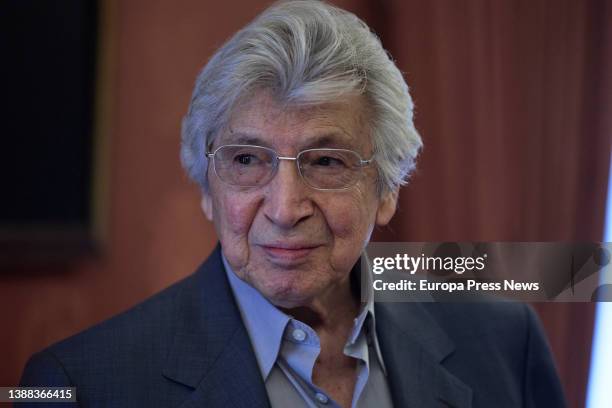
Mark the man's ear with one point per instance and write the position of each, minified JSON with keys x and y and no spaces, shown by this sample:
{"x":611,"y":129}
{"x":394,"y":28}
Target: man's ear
{"x":206,"y":205}
{"x":386,"y":207}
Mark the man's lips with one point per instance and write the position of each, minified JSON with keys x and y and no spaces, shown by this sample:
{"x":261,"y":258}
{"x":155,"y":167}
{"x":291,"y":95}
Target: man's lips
{"x":288,"y":252}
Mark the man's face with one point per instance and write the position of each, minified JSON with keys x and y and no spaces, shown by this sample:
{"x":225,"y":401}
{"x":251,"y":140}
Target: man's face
{"x":295,"y":244}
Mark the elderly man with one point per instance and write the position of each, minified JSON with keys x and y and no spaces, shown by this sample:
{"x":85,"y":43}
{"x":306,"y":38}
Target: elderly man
{"x":300,"y":133}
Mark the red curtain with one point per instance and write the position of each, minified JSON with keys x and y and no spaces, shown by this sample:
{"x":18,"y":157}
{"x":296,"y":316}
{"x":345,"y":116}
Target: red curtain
{"x":513,"y":101}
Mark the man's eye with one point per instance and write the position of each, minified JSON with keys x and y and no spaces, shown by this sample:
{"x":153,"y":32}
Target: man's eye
{"x":327,"y":161}
{"x":245,"y":159}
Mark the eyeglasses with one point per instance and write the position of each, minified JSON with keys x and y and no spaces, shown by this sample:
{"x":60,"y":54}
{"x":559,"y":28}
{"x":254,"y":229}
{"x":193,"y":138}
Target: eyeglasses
{"x":255,"y":166}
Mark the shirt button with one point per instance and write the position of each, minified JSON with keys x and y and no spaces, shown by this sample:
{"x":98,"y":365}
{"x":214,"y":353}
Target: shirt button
{"x":299,"y":334}
{"x":322,"y":398}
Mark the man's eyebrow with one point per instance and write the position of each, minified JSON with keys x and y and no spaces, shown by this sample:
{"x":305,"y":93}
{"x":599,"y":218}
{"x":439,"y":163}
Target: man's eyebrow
{"x":335,"y":139}
{"x":329,"y":140}
{"x":244,"y":138}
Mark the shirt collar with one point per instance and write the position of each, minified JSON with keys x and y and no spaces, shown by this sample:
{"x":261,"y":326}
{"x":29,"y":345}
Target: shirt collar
{"x":366,"y":317}
{"x":265,"y":323}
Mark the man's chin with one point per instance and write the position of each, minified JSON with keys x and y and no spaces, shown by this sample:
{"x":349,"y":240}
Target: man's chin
{"x":287,"y":295}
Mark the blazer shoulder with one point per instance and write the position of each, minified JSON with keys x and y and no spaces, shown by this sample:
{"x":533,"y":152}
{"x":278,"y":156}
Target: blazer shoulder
{"x":128,"y":357}
{"x":44,"y":368}
{"x":502,"y":317}
{"x":149,"y":317}
{"x":143,"y":332}
{"x":511,"y":336}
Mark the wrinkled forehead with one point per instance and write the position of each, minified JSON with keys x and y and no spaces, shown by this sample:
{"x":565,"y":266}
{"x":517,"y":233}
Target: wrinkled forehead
{"x":288,"y":128}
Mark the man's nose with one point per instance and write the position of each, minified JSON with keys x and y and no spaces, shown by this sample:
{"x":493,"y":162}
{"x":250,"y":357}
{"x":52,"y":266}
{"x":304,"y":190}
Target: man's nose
{"x":287,"y":201}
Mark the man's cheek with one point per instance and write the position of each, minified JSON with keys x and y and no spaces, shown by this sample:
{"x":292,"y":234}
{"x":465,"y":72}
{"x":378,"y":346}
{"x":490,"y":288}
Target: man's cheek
{"x":342,"y":223}
{"x":237,"y":216}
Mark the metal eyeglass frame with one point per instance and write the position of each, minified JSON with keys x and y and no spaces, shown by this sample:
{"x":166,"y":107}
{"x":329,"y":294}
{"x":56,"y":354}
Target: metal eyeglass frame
{"x":362,"y":163}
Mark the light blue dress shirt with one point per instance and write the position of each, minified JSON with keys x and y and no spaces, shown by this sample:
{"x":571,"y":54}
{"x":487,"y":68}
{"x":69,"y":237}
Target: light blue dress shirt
{"x":286,"y":350}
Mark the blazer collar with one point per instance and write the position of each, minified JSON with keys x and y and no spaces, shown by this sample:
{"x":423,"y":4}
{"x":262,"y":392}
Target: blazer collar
{"x":211,"y":351}
{"x":413,"y":347}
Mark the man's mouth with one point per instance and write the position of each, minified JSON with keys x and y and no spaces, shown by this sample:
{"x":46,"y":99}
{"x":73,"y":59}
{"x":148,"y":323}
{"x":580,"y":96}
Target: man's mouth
{"x":287,"y":252}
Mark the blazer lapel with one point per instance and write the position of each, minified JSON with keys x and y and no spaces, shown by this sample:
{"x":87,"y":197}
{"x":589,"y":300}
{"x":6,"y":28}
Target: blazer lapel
{"x":413,"y":347}
{"x":212,"y":352}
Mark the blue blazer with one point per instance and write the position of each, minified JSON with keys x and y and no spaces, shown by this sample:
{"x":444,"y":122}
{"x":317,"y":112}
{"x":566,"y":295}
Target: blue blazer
{"x":187,"y":347}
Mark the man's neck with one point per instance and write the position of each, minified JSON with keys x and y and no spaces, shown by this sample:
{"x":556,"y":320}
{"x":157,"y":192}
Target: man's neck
{"x":333,"y":313}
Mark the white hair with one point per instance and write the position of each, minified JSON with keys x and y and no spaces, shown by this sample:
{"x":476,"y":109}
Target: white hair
{"x":305,"y":53}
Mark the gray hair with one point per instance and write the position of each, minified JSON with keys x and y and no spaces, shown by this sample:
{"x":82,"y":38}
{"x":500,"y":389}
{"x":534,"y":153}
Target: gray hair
{"x":306,"y":53}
